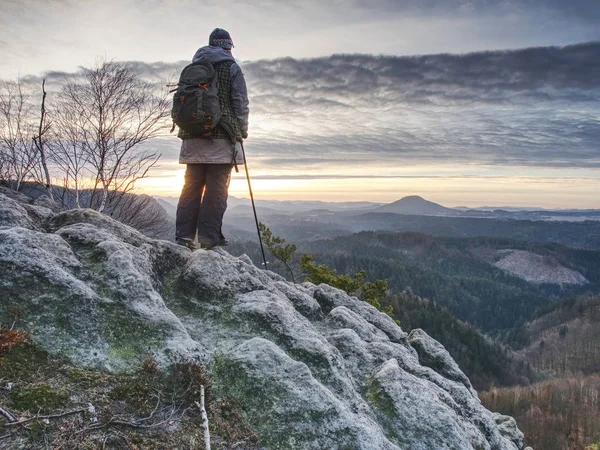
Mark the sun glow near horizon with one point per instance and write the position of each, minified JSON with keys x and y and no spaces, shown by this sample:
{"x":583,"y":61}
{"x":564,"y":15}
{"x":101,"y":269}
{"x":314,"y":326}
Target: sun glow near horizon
{"x":448,"y":189}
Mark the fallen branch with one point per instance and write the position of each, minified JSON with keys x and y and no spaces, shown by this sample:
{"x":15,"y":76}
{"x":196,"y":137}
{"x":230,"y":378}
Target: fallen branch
{"x":153,"y":411}
{"x":52,"y":416}
{"x":9,"y":416}
{"x":132,"y":424}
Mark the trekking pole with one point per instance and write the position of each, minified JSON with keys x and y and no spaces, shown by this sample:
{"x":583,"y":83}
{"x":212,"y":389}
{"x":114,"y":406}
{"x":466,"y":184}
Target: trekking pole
{"x":254,"y":207}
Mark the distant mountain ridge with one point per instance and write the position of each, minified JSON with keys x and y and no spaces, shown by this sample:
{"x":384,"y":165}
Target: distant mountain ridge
{"x":290,"y":206}
{"x":410,"y":205}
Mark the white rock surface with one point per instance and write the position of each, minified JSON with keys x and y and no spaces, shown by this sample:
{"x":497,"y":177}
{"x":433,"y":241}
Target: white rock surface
{"x":311,"y":367}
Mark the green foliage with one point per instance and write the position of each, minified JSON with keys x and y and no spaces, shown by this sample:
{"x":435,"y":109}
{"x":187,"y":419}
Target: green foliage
{"x":277,"y":247}
{"x":371,"y":292}
{"x":323,"y":274}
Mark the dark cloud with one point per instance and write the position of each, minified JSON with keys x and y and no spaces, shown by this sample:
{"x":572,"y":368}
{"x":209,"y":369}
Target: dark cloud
{"x":533,"y":107}
{"x":536,"y":107}
{"x":483,"y":76}
{"x":586,"y":10}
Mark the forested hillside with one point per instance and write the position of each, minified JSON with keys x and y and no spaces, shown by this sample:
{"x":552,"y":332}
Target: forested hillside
{"x":459,"y":273}
{"x":565,"y":338}
{"x":563,"y":345}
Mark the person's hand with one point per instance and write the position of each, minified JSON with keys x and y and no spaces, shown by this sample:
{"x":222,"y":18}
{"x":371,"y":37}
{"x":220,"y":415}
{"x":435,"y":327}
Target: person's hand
{"x":245,"y":134}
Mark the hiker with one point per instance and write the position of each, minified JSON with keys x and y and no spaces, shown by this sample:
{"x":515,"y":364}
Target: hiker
{"x":210,"y":158}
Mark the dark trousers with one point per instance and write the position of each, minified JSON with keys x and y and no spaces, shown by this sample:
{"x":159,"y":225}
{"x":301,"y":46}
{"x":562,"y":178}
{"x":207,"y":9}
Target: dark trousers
{"x":203,"y":202}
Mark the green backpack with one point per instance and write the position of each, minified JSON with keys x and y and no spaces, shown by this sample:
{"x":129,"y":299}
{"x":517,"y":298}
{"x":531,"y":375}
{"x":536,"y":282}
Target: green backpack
{"x":196,"y":107}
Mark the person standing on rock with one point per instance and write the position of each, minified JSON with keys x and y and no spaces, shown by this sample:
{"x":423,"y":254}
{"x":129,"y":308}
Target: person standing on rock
{"x":210,"y":159}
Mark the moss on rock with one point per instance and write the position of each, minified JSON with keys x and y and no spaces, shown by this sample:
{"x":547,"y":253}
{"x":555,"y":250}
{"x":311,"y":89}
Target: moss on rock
{"x":377,"y":397}
{"x":41,"y":397}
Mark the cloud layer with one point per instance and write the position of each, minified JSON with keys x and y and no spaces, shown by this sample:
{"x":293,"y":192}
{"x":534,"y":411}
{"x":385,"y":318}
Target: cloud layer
{"x":60,"y":34}
{"x":534,"y":107}
{"x":537,"y":107}
{"x":488,"y":124}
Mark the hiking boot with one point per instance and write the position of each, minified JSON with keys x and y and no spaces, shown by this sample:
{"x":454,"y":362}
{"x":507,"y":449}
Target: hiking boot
{"x":223,"y":242}
{"x":186,"y":242}
{"x":207,"y":246}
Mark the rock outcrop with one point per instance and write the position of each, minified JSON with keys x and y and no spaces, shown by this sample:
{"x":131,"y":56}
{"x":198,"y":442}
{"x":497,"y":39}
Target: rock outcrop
{"x":310,"y":366}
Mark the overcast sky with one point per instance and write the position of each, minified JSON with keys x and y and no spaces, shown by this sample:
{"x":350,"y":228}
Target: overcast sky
{"x":468,"y":123}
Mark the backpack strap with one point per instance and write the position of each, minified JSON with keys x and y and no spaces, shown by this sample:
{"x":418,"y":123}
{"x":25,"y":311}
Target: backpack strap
{"x":226,"y":127}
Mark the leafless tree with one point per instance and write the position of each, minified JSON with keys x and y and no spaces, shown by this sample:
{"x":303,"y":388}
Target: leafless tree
{"x":39,"y":141}
{"x":141,"y":212}
{"x":117,"y":111}
{"x":69,"y":150}
{"x":19,"y":157}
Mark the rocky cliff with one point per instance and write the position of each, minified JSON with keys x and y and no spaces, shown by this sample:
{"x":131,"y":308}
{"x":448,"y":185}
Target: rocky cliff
{"x":310,"y":366}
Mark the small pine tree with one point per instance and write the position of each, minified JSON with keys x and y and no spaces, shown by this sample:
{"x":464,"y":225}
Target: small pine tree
{"x":275,"y":245}
{"x":371,"y":292}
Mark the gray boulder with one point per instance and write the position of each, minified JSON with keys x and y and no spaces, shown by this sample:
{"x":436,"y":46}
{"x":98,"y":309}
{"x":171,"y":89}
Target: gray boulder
{"x":433,"y":354}
{"x":508,"y":427}
{"x":15,"y":195}
{"x":45,"y":202}
{"x":13,"y":213}
{"x":310,"y":366}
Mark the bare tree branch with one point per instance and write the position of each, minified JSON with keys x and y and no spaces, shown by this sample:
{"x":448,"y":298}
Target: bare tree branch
{"x":52,"y":416}
{"x":18,"y":154}
{"x":9,"y":416}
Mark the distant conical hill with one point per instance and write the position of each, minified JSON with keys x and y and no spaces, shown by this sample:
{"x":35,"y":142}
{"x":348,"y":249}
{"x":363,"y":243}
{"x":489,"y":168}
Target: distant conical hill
{"x":414,"y":204}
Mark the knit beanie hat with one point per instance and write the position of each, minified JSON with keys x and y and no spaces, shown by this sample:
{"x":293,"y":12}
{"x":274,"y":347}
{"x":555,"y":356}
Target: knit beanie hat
{"x":220,"y":38}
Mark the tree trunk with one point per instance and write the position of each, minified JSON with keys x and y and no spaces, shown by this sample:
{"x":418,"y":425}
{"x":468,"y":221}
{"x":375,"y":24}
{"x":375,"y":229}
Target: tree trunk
{"x":104,"y":199}
{"x":39,"y":143}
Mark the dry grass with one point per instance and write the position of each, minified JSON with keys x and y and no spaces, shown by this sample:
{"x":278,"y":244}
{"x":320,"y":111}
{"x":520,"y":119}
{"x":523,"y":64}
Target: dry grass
{"x":9,"y":338}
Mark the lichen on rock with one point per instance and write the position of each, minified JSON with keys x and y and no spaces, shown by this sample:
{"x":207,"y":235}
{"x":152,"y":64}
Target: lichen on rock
{"x":310,"y":366}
